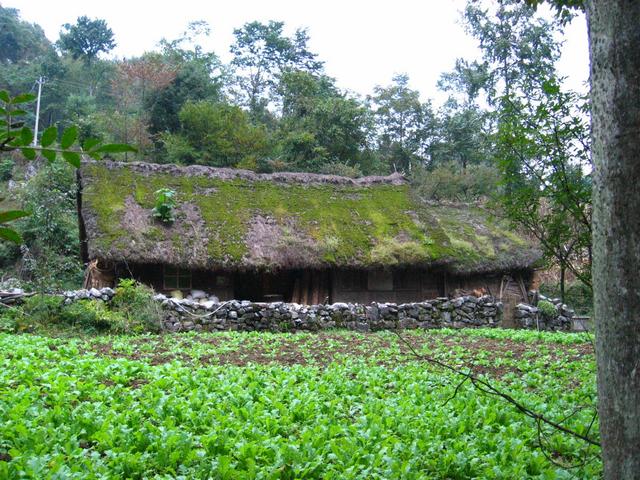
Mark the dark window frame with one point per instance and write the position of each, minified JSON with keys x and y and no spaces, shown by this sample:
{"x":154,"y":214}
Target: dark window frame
{"x":182,"y":278}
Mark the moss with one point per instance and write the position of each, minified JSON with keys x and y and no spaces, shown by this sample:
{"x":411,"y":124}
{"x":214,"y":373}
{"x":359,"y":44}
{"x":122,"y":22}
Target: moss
{"x":382,"y":224}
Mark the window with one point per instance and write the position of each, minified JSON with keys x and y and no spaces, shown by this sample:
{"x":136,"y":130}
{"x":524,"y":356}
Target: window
{"x":380,"y":281}
{"x":176,"y":278}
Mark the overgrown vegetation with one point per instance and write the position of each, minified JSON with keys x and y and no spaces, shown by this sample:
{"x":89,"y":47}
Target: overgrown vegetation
{"x":132,"y":310}
{"x":375,"y":223}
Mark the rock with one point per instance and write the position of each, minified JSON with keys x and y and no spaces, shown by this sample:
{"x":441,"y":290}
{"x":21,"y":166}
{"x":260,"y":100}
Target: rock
{"x":176,"y":294}
{"x":214,"y":299}
{"x":198,"y":294}
{"x":107,"y":291}
{"x":94,"y":292}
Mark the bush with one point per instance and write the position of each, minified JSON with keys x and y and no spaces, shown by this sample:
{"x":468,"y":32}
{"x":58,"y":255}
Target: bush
{"x":135,"y":302}
{"x":341,"y":169}
{"x":93,"y":315}
{"x":6,"y":169}
{"x":447,"y":182}
{"x":44,"y":309}
{"x":547,"y":309}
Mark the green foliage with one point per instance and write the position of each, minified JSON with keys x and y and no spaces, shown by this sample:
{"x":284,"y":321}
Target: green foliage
{"x":86,"y":39}
{"x":20,"y":41}
{"x":404,"y":123}
{"x":341,"y":169}
{"x":216,"y":134}
{"x":43,"y":309}
{"x":448,"y":182}
{"x":350,"y":406}
{"x":14,"y":135}
{"x":577,"y":295}
{"x":261,"y":54}
{"x":165,"y":204}
{"x":94,"y":315}
{"x":134,"y":301}
{"x":547,"y":309}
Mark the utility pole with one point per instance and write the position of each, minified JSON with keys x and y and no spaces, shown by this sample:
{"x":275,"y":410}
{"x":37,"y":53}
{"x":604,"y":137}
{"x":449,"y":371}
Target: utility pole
{"x":35,"y":130}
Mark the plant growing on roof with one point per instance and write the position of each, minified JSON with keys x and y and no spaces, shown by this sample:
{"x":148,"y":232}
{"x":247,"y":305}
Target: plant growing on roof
{"x":165,"y":204}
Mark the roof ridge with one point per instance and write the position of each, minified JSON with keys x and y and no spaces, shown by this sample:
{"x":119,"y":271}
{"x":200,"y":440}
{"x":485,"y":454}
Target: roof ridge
{"x":235,"y":173}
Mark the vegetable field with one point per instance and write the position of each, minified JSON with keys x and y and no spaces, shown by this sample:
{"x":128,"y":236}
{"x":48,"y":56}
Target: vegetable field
{"x":334,"y":405}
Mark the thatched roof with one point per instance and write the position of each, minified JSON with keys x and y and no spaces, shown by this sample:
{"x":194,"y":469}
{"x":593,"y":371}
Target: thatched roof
{"x":236,"y":219}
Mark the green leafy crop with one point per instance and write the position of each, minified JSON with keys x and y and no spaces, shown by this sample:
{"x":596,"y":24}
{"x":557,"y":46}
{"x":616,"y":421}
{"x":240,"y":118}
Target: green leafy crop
{"x":331,"y":405}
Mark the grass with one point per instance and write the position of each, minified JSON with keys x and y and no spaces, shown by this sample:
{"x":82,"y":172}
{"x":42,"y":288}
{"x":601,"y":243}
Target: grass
{"x":384,"y":224}
{"x":335,"y":405}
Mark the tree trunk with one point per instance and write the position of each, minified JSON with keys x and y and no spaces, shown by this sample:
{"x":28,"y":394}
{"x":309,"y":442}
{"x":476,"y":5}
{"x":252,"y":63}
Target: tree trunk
{"x":614,"y":39}
{"x":563,"y":269}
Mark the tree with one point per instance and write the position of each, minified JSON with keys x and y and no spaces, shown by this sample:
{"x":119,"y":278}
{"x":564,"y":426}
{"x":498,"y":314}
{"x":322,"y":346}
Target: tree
{"x":319,"y":124}
{"x":543,"y":152}
{"x":261,"y":53}
{"x":198,"y":76}
{"x":404,"y":123}
{"x":86,"y":39}
{"x":20,"y":41}
{"x":614,"y":39}
{"x":216,"y":134}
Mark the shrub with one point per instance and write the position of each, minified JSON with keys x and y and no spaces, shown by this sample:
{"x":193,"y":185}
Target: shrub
{"x":135,"y":302}
{"x":547,"y":309}
{"x":93,"y":315}
{"x":164,"y":205}
{"x":341,"y":169}
{"x":44,"y":309}
{"x":6,"y":169}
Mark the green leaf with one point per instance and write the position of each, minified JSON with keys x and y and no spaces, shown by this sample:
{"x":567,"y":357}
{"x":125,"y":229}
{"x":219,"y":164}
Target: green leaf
{"x":90,"y":143}
{"x":23,"y":98}
{"x":4,"y":96}
{"x":69,"y":136}
{"x":49,"y":154}
{"x":3,"y":111}
{"x":72,"y":157}
{"x":30,"y":153}
{"x":26,"y":136}
{"x":115,"y":148}
{"x":95,"y":156}
{"x":17,"y":112}
{"x":49,"y":136}
{"x":12,"y":215}
{"x":10,"y":234}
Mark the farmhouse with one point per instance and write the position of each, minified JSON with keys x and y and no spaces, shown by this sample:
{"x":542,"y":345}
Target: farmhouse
{"x":294,"y":237}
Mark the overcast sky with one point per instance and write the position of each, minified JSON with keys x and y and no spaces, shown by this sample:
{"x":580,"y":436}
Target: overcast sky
{"x":362,"y":42}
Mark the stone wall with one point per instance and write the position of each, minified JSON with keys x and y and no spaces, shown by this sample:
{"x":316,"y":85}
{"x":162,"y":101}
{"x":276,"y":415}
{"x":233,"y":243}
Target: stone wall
{"x":468,"y":311}
{"x":531,"y":317}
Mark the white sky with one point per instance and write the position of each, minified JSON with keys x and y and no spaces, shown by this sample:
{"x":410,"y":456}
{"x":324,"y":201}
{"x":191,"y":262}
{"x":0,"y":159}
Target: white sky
{"x":362,"y":42}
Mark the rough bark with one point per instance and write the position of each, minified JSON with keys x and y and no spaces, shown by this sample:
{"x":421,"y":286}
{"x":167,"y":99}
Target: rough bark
{"x":614,"y":39}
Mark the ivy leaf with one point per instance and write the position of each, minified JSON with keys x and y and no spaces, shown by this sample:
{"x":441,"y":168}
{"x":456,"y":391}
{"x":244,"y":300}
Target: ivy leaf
{"x":49,"y":154}
{"x":69,"y":136}
{"x":12,"y":215}
{"x":10,"y":234}
{"x":4,"y":96}
{"x":23,"y":98}
{"x":115,"y":148}
{"x":49,"y":136}
{"x":30,"y":153}
{"x":72,"y":157}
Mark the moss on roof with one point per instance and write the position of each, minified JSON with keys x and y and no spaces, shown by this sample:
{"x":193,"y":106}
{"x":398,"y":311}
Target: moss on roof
{"x":240,"y":220}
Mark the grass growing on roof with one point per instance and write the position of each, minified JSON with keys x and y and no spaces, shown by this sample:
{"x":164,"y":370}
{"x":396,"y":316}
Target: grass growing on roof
{"x":355,"y":225}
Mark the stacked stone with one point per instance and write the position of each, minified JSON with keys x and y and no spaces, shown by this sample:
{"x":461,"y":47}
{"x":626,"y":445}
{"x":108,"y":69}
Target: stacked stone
{"x":105,"y":294}
{"x":529,"y":316}
{"x":468,"y":311}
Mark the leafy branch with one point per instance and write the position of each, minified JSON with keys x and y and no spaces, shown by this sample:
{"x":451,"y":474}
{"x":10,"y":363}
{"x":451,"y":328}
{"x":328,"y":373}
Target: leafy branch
{"x":16,"y":136}
{"x":489,"y":389}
